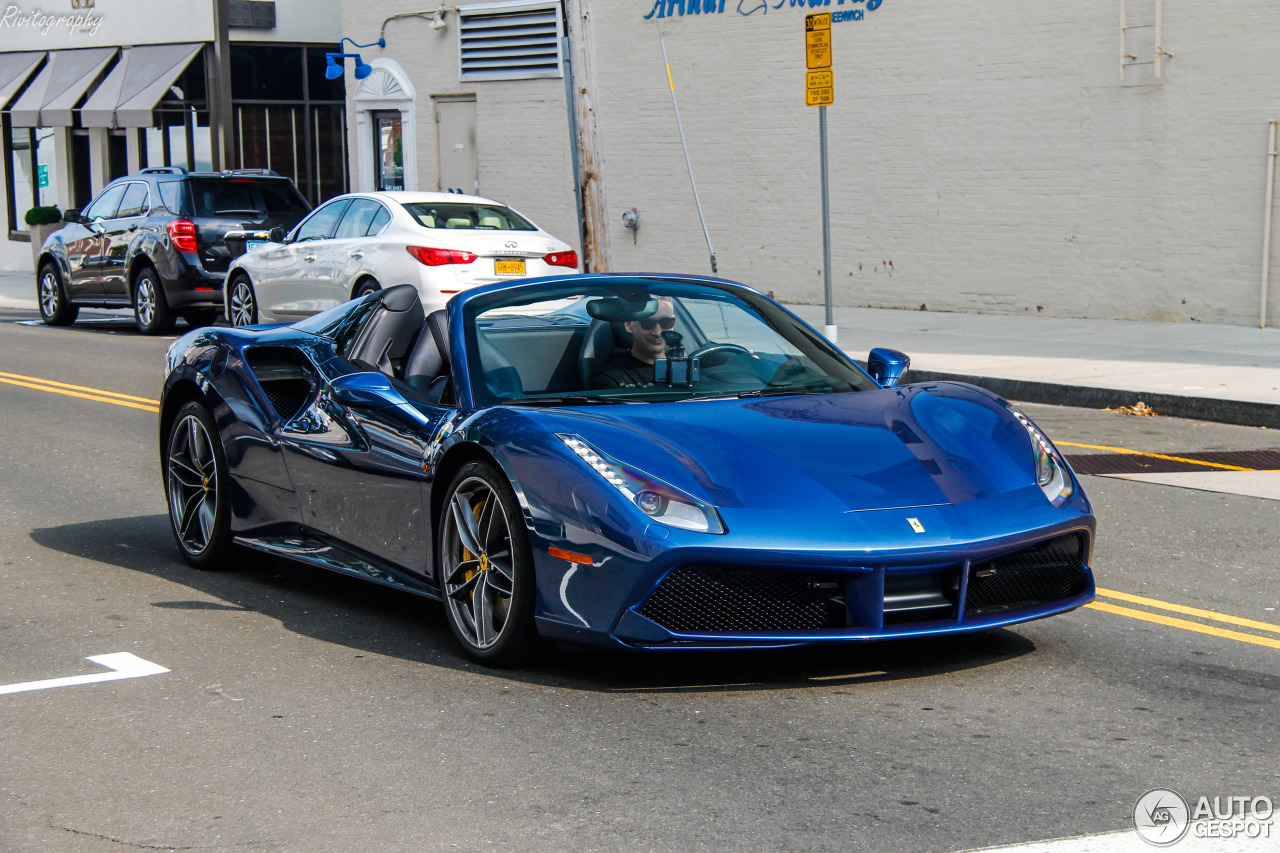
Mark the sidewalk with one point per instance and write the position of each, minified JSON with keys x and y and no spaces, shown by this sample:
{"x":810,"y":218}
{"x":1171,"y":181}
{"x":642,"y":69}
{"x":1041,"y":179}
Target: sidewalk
{"x":1192,"y":370}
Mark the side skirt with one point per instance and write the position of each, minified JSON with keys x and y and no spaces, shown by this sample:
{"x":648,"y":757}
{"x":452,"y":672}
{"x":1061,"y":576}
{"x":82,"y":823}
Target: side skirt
{"x":314,"y":551}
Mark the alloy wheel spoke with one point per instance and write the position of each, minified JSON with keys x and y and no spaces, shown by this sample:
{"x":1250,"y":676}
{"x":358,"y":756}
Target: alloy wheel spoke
{"x":500,"y":579}
{"x":189,"y":513}
{"x":464,"y":521}
{"x":459,"y":569}
{"x":181,"y":473}
{"x":463,"y":591}
{"x":483,"y":610}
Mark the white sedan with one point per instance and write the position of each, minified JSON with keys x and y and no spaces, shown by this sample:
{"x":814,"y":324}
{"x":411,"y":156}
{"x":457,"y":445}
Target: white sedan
{"x":440,"y":243}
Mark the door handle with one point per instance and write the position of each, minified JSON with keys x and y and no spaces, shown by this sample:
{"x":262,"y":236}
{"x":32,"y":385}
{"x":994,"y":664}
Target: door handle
{"x":308,"y":257}
{"x":357,"y":254}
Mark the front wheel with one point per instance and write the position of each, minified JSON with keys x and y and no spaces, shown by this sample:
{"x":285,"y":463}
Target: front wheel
{"x":151,"y":310}
{"x":197,"y":487}
{"x":242,"y":303}
{"x":54,"y":308}
{"x":486,"y":568}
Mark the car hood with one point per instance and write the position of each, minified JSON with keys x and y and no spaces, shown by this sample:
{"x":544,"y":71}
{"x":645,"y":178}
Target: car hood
{"x":905,"y":447}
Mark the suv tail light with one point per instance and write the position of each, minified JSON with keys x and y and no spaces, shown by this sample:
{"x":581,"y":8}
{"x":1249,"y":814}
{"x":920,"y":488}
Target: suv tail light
{"x":562,"y":259}
{"x":183,"y":234}
{"x":439,"y":257}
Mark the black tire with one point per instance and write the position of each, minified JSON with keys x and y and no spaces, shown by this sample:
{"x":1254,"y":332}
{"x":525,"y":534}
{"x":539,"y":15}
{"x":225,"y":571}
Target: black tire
{"x":203,"y":317}
{"x":365,"y":287}
{"x":197,"y":488}
{"x":55,"y":310}
{"x":502,"y":573}
{"x":151,"y":309}
{"x":242,"y":302}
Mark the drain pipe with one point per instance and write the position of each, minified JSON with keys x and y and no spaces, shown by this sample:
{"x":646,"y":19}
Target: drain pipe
{"x":1266,"y":227}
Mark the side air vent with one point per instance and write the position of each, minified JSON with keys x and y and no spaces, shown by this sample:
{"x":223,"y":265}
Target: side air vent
{"x":1041,"y":574}
{"x":285,"y":377}
{"x":509,"y":41}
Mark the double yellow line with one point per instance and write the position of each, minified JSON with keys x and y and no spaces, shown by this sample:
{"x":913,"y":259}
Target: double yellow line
{"x":1127,"y":452}
{"x":1187,"y":624}
{"x":95,"y":394}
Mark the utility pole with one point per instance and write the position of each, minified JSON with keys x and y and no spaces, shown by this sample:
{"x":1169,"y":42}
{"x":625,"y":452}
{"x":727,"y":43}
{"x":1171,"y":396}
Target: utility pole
{"x":218,"y":73}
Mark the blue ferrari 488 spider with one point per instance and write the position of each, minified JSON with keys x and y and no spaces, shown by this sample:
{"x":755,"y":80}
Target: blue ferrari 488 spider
{"x":636,"y":461}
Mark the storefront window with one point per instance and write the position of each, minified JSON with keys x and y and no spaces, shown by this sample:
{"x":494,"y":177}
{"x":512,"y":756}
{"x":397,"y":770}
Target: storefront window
{"x":22,"y":176}
{"x":49,"y":175}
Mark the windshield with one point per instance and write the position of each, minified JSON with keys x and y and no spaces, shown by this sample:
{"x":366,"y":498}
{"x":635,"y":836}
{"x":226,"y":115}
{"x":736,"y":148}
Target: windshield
{"x":645,"y":340}
{"x":478,"y":217}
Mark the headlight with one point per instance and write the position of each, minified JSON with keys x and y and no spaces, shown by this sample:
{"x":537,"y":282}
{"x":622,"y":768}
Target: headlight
{"x":658,"y":500}
{"x":1051,"y":470}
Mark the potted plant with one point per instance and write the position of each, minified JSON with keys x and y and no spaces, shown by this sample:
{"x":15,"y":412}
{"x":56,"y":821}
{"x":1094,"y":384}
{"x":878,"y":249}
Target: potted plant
{"x":41,"y":222}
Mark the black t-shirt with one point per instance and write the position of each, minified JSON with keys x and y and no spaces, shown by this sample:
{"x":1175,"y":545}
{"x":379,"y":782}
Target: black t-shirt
{"x":623,"y":371}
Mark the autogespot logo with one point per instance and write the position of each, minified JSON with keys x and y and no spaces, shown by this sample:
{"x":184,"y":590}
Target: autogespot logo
{"x":1161,"y":817}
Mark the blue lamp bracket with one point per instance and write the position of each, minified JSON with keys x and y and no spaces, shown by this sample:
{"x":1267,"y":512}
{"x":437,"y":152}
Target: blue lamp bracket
{"x":333,"y":62}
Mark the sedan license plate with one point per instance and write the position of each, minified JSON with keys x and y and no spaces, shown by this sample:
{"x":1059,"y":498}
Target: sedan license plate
{"x":508,"y":266}
{"x":250,"y":245}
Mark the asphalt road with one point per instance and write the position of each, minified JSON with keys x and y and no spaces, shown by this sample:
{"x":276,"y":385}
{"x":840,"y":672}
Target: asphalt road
{"x":308,"y":712}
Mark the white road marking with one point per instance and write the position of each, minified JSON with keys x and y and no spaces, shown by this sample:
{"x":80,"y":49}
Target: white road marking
{"x":1128,"y":841}
{"x":122,"y":664}
{"x":1254,"y":484}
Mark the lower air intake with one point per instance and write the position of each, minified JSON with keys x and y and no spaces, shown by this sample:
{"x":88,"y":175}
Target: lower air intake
{"x":1042,"y":574}
{"x":716,"y":598}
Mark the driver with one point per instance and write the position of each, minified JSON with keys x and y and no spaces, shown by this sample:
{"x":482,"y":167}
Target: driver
{"x":634,"y":368}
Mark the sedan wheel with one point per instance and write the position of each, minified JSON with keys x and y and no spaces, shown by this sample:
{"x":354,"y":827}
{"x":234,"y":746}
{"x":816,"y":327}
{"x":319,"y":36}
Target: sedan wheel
{"x":243,"y":302}
{"x":195,"y":474}
{"x":486,"y":568}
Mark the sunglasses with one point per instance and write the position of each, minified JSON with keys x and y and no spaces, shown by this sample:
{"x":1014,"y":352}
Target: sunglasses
{"x":667,"y":323}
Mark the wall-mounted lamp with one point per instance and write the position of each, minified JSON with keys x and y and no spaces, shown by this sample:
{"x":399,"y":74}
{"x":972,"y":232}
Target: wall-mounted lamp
{"x":333,"y":62}
{"x":437,"y":19}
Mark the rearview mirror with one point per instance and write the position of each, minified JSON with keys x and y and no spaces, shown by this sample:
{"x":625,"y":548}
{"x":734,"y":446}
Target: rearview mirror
{"x":886,"y":366}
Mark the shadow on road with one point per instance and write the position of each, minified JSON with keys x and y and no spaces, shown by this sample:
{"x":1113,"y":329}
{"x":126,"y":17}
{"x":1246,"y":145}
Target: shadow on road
{"x":366,"y":617}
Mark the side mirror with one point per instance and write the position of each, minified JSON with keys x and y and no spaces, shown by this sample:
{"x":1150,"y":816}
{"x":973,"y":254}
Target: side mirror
{"x":71,"y":215}
{"x":277,"y":234}
{"x":886,"y":366}
{"x":372,"y":390}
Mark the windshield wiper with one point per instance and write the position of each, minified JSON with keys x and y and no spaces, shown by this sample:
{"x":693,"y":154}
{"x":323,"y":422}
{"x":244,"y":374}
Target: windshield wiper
{"x":569,"y":400}
{"x":786,"y":390}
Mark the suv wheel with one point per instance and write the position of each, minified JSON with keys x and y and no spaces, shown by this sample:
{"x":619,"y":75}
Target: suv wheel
{"x":150,"y":308}
{"x":54,"y":308}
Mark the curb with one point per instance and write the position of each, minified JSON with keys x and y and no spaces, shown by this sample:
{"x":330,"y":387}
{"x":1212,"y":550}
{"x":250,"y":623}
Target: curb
{"x":1240,"y":412}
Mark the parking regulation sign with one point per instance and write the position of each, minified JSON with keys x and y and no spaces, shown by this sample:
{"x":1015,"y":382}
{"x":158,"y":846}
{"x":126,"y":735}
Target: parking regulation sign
{"x":819,"y":83}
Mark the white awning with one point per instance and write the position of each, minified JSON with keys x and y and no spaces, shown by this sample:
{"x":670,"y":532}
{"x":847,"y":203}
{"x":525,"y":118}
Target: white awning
{"x":15,"y":68}
{"x":68,"y":74}
{"x":133,"y":88}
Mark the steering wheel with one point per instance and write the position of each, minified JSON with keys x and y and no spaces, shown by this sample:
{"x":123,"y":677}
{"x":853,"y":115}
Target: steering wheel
{"x":717,"y":347}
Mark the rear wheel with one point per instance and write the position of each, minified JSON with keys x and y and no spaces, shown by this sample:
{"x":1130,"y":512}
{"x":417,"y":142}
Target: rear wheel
{"x":197,"y":487}
{"x":54,"y":308}
{"x":365,"y":287}
{"x":151,"y":310}
{"x":243,"y":302}
{"x":486,"y":568}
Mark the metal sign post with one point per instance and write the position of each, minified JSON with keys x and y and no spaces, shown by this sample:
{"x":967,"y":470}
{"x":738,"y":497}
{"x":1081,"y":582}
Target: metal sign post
{"x":819,"y":91}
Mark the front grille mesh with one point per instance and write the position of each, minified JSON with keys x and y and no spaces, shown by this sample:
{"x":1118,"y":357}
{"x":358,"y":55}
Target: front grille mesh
{"x":716,"y":598}
{"x":1050,"y":571}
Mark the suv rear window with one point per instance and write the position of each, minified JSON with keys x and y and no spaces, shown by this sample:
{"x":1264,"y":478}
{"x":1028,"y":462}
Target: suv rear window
{"x":241,"y":197}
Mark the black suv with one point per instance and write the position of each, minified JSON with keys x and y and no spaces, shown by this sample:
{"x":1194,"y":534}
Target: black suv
{"x":154,"y":242}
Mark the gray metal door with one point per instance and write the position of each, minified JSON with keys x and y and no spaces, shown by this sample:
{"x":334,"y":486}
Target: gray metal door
{"x":459,"y":168}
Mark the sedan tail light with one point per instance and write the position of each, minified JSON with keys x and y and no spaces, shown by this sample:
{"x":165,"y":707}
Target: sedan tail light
{"x":562,"y":259}
{"x":183,"y":234}
{"x":440,"y":257}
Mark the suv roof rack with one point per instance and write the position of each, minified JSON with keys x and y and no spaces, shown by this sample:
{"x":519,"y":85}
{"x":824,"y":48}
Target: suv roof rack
{"x":164,"y":170}
{"x":271,"y":173}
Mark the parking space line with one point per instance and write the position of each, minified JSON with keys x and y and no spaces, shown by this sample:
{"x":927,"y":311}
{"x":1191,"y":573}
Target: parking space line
{"x":1127,"y":451}
{"x":122,"y":665}
{"x":95,"y":394}
{"x":1184,"y":624}
{"x":1191,"y":611}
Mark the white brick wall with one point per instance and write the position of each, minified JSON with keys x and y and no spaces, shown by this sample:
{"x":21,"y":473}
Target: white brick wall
{"x":984,"y":156}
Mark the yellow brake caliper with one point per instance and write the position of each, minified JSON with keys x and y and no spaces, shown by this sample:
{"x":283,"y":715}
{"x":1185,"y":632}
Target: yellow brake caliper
{"x":467,"y":555}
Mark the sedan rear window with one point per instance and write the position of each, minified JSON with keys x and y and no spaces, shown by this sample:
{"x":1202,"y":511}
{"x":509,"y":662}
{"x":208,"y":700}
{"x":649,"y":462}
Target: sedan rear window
{"x":480,"y":217}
